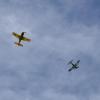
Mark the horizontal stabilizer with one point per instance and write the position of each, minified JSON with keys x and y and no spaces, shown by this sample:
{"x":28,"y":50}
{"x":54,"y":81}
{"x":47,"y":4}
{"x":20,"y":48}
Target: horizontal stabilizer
{"x":70,"y":62}
{"x":18,"y":44}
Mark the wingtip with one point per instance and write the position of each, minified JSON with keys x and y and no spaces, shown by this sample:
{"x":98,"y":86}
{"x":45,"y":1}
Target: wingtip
{"x":69,"y":70}
{"x":30,"y":40}
{"x":13,"y":33}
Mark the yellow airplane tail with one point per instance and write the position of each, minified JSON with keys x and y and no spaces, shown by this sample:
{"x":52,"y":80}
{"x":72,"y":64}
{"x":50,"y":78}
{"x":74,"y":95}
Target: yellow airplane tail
{"x":18,"y":44}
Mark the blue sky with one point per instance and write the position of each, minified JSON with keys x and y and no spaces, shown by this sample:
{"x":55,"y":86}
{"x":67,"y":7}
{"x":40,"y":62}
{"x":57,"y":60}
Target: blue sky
{"x":60,"y":30}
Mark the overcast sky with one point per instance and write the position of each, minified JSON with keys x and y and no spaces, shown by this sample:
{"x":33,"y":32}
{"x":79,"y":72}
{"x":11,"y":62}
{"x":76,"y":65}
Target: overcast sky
{"x":60,"y":30}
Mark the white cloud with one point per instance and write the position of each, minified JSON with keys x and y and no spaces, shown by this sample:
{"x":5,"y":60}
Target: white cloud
{"x":39,"y":69}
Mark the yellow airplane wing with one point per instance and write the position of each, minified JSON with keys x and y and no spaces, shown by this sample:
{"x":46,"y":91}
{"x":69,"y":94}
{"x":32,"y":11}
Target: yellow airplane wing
{"x":16,"y":35}
{"x":26,"y":39}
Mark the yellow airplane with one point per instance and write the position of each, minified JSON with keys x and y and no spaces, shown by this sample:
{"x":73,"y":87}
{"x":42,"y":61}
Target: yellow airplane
{"x":20,"y":37}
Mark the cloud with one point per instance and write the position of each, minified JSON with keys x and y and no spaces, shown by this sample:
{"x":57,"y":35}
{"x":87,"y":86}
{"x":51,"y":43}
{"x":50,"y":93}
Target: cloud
{"x":59,"y":33}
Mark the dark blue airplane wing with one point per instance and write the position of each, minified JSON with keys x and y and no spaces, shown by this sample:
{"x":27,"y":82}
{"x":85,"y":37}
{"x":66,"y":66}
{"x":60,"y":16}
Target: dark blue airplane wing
{"x":77,"y":63}
{"x":70,"y":69}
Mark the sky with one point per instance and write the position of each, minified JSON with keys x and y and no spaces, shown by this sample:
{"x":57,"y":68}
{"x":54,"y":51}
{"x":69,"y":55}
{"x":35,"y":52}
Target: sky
{"x":61,"y":30}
